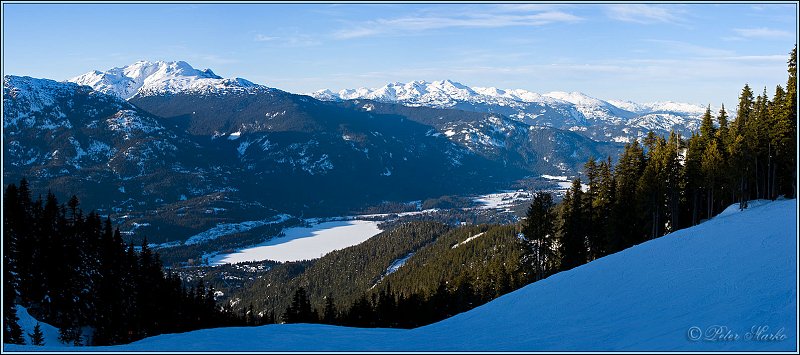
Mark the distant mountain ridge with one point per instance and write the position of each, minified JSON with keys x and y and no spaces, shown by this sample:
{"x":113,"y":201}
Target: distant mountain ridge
{"x":602,"y":120}
{"x":145,"y":78}
{"x":177,"y":150}
{"x":174,"y":161}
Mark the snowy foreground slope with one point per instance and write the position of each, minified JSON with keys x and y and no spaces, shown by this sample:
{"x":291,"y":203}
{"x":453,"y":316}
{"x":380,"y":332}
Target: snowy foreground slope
{"x":737,"y":270}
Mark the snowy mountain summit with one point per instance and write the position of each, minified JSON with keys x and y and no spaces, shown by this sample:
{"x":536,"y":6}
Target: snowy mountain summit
{"x":438,"y":94}
{"x":146,"y":78}
{"x":603,"y":120}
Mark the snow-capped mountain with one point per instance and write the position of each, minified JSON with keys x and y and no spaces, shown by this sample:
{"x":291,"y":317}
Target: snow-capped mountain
{"x":266,"y":148}
{"x":662,"y":106}
{"x":440,"y":94}
{"x":63,"y":130}
{"x":591,"y":108}
{"x":618,"y":121}
{"x":151,"y":78}
{"x":598,"y":119}
{"x":153,"y":135}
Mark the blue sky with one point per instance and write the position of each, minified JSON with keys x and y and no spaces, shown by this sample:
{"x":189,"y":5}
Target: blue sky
{"x":698,"y":53}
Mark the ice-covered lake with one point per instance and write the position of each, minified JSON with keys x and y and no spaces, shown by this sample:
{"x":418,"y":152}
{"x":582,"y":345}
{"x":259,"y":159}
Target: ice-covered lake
{"x":305,"y":243}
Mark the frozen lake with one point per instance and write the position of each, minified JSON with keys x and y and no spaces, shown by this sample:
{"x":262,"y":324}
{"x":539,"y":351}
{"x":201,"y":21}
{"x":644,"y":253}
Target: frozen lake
{"x":305,"y":243}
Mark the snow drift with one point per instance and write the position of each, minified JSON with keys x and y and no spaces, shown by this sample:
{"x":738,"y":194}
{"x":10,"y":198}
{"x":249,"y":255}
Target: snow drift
{"x":728,"y":284}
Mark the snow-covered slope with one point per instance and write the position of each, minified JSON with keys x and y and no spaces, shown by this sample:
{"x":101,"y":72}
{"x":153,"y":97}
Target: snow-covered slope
{"x":735,"y":273}
{"x":49,"y":124}
{"x":438,"y":94}
{"x":152,"y":78}
{"x":612,"y":120}
{"x":49,"y":332}
{"x":662,"y":106}
{"x":592,"y":108}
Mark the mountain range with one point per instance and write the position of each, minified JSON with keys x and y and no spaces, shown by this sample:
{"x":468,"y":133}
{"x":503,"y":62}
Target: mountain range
{"x":601,"y":120}
{"x":611,"y":120}
{"x":171,"y":151}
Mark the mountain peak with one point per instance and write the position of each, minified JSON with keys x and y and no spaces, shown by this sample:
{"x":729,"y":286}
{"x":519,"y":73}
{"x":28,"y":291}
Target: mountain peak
{"x":573,"y":110}
{"x":151,"y":78}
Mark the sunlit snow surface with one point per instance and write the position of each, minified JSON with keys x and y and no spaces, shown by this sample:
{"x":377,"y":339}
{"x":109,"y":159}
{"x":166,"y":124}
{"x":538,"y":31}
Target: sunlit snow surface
{"x":467,"y":240}
{"x":507,"y":199}
{"x":737,"y":271}
{"x":305,"y":243}
{"x":397,"y":264}
{"x":502,"y":200}
{"x":223,"y":229}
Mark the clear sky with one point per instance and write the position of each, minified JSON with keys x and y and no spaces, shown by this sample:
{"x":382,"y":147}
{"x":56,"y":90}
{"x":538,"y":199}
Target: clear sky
{"x":690,"y":52}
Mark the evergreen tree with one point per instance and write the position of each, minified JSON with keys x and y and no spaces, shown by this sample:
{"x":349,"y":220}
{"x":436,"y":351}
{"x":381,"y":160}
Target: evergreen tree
{"x":37,"y":337}
{"x":711,"y":166}
{"x":502,"y":286}
{"x":573,"y":236}
{"x":649,"y":187}
{"x":693,"y":173}
{"x":783,"y":134}
{"x":707,"y":130}
{"x":673,"y":182}
{"x":385,"y":308}
{"x":12,"y":332}
{"x":464,"y":296}
{"x":594,"y":242}
{"x":439,"y":300}
{"x":249,"y":316}
{"x":756,"y":133}
{"x":71,"y":334}
{"x":360,"y":313}
{"x":722,"y":120}
{"x":776,"y":140}
{"x":300,"y":310}
{"x":725,"y":139}
{"x":740,"y":148}
{"x":627,"y":220}
{"x":744,"y":110}
{"x":603,"y":204}
{"x":329,"y":315}
{"x":539,"y":233}
{"x":77,"y":275}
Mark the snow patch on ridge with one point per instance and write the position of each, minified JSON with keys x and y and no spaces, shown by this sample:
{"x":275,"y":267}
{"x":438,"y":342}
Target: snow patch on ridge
{"x":145,"y":78}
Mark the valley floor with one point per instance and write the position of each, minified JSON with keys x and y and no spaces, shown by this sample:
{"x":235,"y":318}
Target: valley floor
{"x":728,"y":284}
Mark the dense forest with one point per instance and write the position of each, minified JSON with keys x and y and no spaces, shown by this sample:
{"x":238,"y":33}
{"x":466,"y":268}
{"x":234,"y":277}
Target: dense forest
{"x":665,"y":184}
{"x":414,"y":274}
{"x":73,"y":271}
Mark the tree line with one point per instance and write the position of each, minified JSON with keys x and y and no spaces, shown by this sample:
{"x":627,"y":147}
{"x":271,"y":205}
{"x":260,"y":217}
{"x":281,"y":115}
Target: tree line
{"x":444,"y":277}
{"x":74,"y":271}
{"x":665,"y":184}
{"x":388,"y":308}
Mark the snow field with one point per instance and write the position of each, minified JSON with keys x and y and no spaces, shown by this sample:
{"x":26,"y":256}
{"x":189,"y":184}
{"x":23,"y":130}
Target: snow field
{"x":305,"y":243}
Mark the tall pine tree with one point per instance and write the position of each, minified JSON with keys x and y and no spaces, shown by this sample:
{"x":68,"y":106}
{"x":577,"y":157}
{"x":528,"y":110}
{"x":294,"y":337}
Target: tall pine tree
{"x":573,"y":234}
{"x":539,"y":232}
{"x":740,"y":148}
